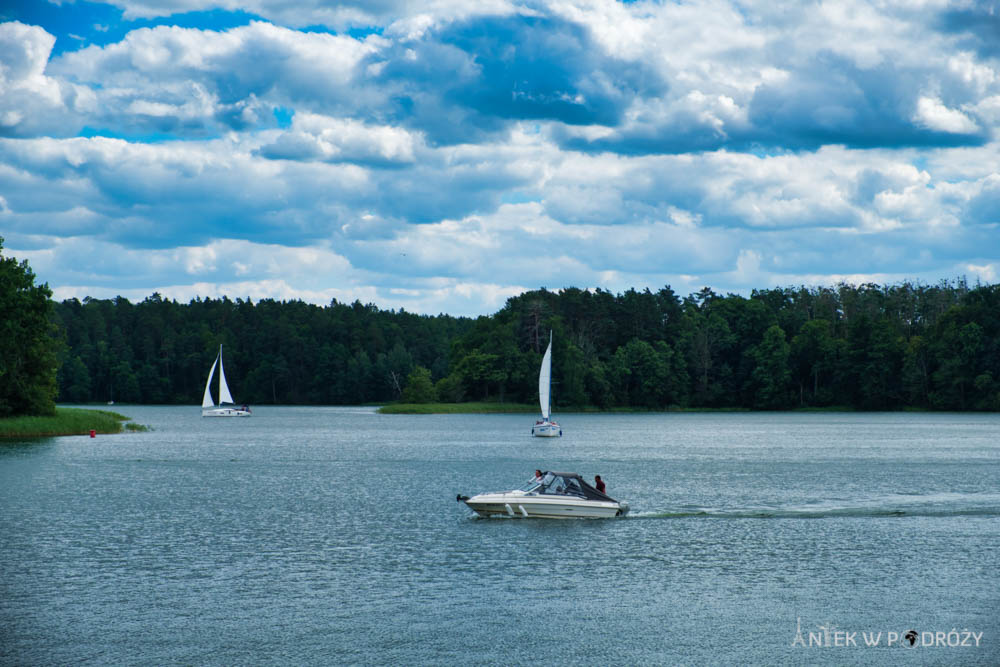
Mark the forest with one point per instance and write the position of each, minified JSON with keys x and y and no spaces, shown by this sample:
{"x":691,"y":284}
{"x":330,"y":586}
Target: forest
{"x":866,"y":347}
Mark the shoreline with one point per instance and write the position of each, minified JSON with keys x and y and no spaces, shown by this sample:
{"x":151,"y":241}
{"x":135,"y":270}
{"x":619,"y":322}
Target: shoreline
{"x":522,"y":408}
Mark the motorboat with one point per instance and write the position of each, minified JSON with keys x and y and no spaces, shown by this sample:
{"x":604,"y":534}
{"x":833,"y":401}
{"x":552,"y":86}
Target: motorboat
{"x":553,"y":495}
{"x":546,"y":427}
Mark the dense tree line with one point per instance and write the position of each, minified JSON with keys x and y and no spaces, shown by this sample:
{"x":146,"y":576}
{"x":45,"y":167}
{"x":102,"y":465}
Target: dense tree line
{"x":290,"y":352}
{"x":869,"y":347}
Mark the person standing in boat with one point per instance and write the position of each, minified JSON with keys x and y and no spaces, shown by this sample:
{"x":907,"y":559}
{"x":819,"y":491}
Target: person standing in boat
{"x":599,"y":483}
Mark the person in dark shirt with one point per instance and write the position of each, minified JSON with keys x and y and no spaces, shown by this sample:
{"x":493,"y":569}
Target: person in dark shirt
{"x":599,"y":483}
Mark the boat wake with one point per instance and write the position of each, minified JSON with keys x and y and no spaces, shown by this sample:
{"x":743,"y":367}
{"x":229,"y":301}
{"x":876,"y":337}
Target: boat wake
{"x":941,"y":505}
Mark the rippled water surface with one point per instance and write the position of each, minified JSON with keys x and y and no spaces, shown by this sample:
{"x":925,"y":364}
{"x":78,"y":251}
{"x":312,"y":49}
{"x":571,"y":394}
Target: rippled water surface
{"x":332,"y":536}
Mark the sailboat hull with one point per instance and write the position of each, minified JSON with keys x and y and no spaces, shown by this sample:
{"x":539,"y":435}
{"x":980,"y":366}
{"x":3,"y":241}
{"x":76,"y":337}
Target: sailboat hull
{"x":225,"y":412}
{"x":546,"y":429}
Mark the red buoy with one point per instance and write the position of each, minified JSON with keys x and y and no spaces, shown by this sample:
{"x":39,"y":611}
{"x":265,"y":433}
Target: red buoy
{"x":93,"y":433}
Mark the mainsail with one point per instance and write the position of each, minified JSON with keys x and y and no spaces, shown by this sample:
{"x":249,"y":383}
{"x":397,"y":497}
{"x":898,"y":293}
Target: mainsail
{"x":545,"y":379}
{"x":224,"y":395}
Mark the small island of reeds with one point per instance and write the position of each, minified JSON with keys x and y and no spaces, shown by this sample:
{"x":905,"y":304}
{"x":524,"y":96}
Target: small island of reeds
{"x":67,"y":421}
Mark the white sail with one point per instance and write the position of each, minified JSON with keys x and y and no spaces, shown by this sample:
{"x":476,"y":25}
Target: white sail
{"x":208,"y":409}
{"x":545,"y":379}
{"x":206,"y":400}
{"x":224,"y":395}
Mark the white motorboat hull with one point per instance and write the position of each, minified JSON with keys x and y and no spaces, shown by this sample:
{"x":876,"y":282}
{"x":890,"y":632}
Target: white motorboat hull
{"x":546,"y":430}
{"x":225,"y":412}
{"x":523,"y":506}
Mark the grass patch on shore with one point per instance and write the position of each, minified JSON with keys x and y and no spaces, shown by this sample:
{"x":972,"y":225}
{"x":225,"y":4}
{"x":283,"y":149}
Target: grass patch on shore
{"x":67,"y":421}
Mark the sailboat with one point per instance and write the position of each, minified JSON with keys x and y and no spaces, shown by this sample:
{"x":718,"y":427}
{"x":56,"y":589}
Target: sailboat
{"x":208,"y":408}
{"x":546,"y":427}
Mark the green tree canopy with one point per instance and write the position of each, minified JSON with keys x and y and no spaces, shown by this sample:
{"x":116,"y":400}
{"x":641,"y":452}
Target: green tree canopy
{"x":28,"y":350}
{"x":419,"y":387}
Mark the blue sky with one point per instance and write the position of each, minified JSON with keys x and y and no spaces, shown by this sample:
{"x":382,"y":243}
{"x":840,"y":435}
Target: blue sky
{"x":443,"y":156}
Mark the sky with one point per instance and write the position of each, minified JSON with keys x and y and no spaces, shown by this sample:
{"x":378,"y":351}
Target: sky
{"x":442,"y":156}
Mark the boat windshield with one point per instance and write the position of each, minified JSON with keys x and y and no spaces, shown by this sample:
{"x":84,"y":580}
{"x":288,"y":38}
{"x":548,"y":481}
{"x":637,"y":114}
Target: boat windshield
{"x":533,"y":484}
{"x":564,"y":485}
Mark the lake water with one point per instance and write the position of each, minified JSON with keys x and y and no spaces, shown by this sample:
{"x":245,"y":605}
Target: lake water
{"x":318,"y":536}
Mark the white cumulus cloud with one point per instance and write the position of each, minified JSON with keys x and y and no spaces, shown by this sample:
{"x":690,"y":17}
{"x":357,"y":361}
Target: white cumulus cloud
{"x":933,"y":114}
